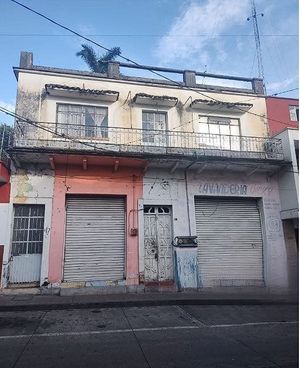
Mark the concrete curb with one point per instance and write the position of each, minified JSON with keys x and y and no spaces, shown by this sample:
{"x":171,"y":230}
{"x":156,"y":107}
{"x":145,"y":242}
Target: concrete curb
{"x":140,"y":303}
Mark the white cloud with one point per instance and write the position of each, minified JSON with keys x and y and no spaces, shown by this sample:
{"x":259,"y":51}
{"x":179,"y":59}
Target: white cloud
{"x":223,"y":82}
{"x":210,"y":17}
{"x":281,"y":85}
{"x":4,"y":118}
{"x":7,"y":105}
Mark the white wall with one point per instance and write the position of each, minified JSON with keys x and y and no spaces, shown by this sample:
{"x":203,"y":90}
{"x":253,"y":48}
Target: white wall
{"x":4,"y":231}
{"x":163,"y":188}
{"x":33,"y":186}
{"x":288,"y":176}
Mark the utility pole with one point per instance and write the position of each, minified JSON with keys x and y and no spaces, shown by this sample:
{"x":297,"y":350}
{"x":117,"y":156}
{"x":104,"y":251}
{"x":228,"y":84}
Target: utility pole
{"x":254,"y":16}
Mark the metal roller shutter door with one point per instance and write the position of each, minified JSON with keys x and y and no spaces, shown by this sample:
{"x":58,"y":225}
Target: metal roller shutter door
{"x":230,"y":247}
{"x":95,"y":239}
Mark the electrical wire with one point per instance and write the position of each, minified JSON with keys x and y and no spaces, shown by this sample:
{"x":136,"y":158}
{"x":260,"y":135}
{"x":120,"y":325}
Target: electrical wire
{"x":127,"y":59}
{"x":280,"y":93}
{"x":74,"y":139}
{"x":97,"y":148}
{"x":141,"y":35}
{"x":134,"y":62}
{"x":36,"y":124}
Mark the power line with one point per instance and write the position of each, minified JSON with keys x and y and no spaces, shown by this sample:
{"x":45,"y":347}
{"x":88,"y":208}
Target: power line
{"x":107,"y":49}
{"x":140,"y":35}
{"x":137,"y":64}
{"x":87,"y":39}
{"x":280,"y":93}
{"x":36,"y":124}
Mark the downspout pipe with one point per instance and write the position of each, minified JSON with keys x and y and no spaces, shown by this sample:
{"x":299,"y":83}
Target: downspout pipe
{"x":187,"y":195}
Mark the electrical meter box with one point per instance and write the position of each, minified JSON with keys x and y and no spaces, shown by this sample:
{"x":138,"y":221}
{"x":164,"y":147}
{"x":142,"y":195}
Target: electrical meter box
{"x":185,"y":241}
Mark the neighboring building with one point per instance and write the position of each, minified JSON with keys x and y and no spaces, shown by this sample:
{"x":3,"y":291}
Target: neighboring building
{"x":289,"y":195}
{"x":283,"y":119}
{"x":5,"y":135}
{"x":282,"y":113}
{"x":110,"y":169}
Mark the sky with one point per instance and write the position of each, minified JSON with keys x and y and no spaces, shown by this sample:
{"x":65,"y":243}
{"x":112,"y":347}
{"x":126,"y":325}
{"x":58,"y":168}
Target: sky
{"x":202,"y":35}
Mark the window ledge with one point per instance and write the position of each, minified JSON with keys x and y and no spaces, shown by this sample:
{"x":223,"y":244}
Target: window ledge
{"x":228,"y":107}
{"x":81,"y":93}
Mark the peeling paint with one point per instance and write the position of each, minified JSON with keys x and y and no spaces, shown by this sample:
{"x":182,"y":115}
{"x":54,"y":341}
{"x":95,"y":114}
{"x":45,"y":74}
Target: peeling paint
{"x":23,"y":188}
{"x":186,"y":268}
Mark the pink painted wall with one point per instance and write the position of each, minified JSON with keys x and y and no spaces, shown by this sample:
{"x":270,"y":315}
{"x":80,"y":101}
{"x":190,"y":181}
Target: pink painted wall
{"x":96,"y":180}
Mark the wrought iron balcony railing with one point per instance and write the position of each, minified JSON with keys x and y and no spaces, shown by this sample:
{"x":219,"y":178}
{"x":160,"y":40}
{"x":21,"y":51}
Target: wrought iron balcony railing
{"x":132,"y":140}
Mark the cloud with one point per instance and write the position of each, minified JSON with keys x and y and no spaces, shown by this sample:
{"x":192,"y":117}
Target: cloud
{"x":211,"y":18}
{"x":8,"y":105}
{"x":4,"y":118}
{"x":223,"y":82}
{"x":281,"y":85}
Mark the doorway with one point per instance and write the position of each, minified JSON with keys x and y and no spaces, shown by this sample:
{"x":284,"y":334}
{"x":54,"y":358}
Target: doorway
{"x":158,"y":244}
{"x":27,"y":244}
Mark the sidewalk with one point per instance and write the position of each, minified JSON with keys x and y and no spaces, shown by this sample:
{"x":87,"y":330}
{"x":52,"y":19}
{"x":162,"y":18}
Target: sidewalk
{"x":34,"y":301}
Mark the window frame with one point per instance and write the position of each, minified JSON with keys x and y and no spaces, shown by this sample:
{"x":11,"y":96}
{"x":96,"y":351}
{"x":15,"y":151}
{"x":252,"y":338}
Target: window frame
{"x":103,"y":130}
{"x":215,"y":124}
{"x":144,"y":131}
{"x":29,"y":245}
{"x":219,"y":140}
{"x":295,"y":110}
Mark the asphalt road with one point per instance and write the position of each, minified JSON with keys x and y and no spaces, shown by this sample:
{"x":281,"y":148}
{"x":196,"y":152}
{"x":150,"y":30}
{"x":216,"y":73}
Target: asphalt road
{"x":157,"y":337}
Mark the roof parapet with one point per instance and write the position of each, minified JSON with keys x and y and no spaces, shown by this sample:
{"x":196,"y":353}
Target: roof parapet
{"x":113,"y":72}
{"x":26,"y":60}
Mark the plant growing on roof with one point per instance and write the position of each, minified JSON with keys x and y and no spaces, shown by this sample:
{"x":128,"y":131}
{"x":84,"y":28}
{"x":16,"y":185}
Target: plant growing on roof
{"x":98,"y":64}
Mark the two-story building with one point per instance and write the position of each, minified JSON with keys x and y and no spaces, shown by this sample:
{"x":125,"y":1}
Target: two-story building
{"x":109,"y":169}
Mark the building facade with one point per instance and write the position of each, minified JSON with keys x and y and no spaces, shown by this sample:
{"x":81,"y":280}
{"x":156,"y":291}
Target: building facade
{"x":4,"y":192}
{"x":282,"y":113}
{"x":137,"y":183}
{"x":283,"y":118}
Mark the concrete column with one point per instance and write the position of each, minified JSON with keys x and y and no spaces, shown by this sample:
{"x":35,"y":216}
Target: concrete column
{"x":258,"y":86}
{"x":189,"y":78}
{"x":26,"y":59}
{"x":292,"y":254}
{"x":113,"y":70}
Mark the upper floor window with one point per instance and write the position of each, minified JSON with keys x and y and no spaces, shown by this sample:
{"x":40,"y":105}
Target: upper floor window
{"x":154,"y":127}
{"x":219,"y":125}
{"x":219,"y":132}
{"x":82,"y":121}
{"x":294,"y":113}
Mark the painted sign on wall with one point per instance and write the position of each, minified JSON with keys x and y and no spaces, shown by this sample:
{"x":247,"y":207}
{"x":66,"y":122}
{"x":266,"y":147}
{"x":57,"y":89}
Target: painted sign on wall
{"x":220,"y":188}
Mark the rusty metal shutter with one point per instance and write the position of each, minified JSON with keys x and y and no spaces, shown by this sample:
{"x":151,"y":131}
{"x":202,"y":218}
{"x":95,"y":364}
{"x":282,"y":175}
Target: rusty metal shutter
{"x":95,"y":239}
{"x":230,"y":247}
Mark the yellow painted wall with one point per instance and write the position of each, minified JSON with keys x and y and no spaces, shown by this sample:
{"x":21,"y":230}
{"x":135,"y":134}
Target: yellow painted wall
{"x":123,"y":114}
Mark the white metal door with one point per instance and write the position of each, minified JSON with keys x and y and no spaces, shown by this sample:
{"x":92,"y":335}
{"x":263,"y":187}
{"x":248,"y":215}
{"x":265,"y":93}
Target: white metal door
{"x":230,"y":247}
{"x":158,"y":243}
{"x":95,"y":239}
{"x":27,"y":244}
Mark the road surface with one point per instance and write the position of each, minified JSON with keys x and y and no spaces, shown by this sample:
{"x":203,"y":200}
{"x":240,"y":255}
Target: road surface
{"x":152,"y":337}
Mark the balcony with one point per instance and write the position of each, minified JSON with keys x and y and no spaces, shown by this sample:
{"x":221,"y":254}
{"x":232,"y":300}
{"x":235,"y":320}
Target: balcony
{"x":141,"y":142}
